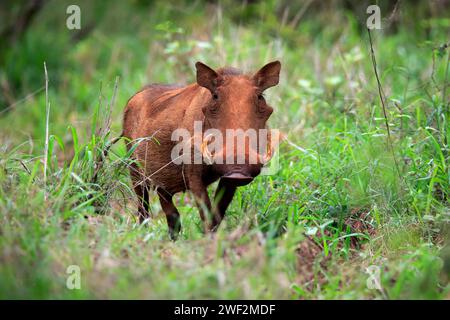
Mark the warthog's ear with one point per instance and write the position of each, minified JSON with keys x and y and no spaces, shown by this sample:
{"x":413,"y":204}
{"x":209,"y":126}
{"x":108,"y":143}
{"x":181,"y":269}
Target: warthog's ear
{"x":268,"y":76}
{"x":206,"y":77}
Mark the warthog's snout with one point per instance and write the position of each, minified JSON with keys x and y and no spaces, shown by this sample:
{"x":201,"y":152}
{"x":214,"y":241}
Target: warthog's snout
{"x":237,"y":178}
{"x":238,"y":175}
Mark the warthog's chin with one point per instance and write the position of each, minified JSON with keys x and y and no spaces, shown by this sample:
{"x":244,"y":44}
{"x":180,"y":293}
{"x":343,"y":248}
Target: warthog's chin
{"x":237,"y":178}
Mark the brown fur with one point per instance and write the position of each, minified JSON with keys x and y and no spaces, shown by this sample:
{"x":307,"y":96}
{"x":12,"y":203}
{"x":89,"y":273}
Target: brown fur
{"x":157,"y":110}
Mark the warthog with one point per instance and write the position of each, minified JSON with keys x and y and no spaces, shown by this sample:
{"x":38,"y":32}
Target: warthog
{"x":220,"y":101}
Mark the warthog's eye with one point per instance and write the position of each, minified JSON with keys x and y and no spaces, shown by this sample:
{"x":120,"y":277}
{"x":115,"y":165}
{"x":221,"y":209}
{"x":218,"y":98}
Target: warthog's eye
{"x":214,"y":106}
{"x":262,"y":108}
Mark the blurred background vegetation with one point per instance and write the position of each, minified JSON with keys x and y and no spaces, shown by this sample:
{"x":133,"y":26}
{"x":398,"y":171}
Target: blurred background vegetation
{"x":131,"y":39}
{"x":341,"y":201}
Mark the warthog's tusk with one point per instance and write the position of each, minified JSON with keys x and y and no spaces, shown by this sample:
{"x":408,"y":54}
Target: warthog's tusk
{"x":267,"y":156}
{"x":208,"y":156}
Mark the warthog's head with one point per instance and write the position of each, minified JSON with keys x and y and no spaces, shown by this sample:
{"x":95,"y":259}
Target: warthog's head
{"x":235,"y":136}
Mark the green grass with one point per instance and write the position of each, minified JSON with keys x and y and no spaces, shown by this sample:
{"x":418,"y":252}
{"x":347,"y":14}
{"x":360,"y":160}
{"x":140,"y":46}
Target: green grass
{"x":336,"y":206}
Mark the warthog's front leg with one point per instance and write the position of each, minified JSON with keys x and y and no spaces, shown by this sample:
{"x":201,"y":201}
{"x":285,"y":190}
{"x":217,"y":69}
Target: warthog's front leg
{"x":222,"y":199}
